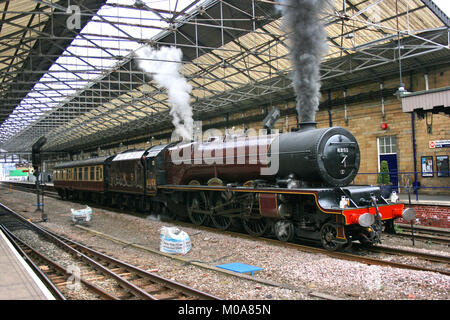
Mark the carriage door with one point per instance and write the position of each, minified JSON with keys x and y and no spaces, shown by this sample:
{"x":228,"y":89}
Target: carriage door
{"x":151,"y":175}
{"x":387,"y":150}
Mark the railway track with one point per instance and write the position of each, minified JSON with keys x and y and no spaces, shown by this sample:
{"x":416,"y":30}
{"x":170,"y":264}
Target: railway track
{"x":418,"y":254}
{"x":56,"y":276}
{"x":424,"y":234}
{"x":349,"y":256}
{"x":129,"y":282}
{"x":420,"y":232}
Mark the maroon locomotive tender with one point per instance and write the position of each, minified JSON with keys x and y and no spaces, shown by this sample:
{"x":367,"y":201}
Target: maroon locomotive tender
{"x":293,"y":185}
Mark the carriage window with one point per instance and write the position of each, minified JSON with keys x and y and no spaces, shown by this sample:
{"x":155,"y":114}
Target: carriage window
{"x":86,"y":174}
{"x":80,"y":173}
{"x":97,"y":173}
{"x":92,"y":173}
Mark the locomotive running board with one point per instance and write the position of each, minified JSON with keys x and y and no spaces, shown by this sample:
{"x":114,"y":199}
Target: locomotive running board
{"x":312,"y":192}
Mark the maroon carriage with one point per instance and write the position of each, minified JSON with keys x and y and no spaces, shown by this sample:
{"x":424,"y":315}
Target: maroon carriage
{"x":82,"y":179}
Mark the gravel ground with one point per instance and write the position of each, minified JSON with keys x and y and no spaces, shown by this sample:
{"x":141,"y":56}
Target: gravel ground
{"x":71,"y":290}
{"x":293,"y":273}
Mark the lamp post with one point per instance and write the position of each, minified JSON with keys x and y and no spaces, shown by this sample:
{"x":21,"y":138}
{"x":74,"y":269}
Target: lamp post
{"x":36,"y":161}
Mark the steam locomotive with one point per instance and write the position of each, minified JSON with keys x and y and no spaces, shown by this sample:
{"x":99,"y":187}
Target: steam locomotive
{"x":292,"y":185}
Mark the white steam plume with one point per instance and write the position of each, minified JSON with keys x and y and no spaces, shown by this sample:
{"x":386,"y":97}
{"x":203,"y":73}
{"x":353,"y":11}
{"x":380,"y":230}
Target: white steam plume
{"x":164,"y":67}
{"x":308,"y":46}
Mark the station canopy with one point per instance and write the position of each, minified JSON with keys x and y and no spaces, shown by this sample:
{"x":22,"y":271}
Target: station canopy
{"x":69,"y":71}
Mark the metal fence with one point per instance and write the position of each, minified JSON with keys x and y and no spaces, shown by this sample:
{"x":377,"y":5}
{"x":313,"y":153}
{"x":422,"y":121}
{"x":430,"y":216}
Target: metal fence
{"x":408,"y":182}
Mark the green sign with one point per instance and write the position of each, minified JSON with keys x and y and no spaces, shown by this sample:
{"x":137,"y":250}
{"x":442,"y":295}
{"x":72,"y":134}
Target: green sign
{"x":17,"y":173}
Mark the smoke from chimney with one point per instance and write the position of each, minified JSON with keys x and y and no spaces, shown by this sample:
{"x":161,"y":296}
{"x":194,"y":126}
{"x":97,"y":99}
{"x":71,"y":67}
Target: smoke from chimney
{"x":164,"y":66}
{"x":308,"y":45}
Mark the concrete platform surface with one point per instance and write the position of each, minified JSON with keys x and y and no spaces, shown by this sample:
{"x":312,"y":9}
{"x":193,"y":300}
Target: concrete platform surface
{"x":17,"y":279}
{"x":437,"y":199}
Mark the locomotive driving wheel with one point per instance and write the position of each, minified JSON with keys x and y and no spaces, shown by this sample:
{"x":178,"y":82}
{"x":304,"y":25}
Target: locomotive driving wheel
{"x":220,"y":221}
{"x":255,"y":226}
{"x":253,"y":223}
{"x":328,"y":234}
{"x":284,"y":230}
{"x":197,"y":207}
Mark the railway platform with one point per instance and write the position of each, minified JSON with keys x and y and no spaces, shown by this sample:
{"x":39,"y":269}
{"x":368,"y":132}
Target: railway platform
{"x":17,"y":280}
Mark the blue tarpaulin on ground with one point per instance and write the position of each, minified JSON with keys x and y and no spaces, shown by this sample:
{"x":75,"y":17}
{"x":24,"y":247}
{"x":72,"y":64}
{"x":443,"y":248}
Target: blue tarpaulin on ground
{"x":239,"y":267}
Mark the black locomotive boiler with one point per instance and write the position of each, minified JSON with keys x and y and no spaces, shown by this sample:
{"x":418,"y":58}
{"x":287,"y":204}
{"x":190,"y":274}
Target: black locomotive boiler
{"x":295,"y":184}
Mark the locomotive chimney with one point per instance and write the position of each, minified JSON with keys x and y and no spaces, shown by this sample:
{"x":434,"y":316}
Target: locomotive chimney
{"x":308,"y":125}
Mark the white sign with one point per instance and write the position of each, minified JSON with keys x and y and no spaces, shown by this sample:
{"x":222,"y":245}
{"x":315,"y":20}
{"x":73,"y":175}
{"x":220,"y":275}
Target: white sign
{"x":439,"y":144}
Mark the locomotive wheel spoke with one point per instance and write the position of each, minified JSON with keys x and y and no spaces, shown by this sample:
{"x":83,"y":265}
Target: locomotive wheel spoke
{"x":328,"y":235}
{"x":284,"y":230}
{"x":255,"y":226}
{"x":197,"y":202}
{"x":220,"y":221}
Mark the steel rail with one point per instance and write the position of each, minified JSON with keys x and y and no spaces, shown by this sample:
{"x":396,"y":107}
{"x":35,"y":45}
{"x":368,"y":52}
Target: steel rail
{"x":422,"y":255}
{"x":41,"y":275}
{"x":423,"y":237}
{"x":334,"y":254}
{"x":91,"y":257}
{"x":22,"y":246}
{"x":339,"y":255}
{"x":123,"y":282}
{"x":138,"y":271}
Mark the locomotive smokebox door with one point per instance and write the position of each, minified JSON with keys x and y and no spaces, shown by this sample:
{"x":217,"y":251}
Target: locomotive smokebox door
{"x":320,"y":157}
{"x":341,"y":151}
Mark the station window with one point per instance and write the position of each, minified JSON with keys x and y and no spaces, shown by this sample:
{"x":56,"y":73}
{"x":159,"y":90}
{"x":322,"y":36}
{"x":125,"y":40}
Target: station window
{"x":387,"y":145}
